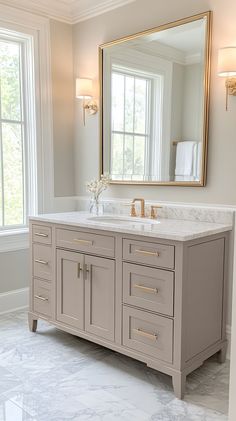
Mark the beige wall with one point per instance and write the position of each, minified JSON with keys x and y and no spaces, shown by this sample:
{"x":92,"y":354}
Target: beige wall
{"x":136,"y":17}
{"x":14,"y":270}
{"x":63,"y":107}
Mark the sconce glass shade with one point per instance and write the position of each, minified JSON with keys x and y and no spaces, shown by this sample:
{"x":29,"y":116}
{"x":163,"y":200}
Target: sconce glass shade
{"x":227,"y":62}
{"x":84,"y":88}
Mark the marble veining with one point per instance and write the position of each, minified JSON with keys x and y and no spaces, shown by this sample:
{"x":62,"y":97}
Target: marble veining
{"x":218,"y":215}
{"x":54,"y":376}
{"x":170,"y":229}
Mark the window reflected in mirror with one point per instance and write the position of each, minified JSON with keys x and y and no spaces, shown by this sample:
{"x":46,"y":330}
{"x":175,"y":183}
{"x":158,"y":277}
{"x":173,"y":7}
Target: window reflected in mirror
{"x":154,"y":102}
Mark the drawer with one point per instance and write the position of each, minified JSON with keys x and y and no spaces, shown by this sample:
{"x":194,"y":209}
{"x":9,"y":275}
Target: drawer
{"x":84,"y":241}
{"x":42,"y":261}
{"x":41,"y":234}
{"x":148,"y":288}
{"x":148,"y":333}
{"x":42,"y":298}
{"x":152,"y":254}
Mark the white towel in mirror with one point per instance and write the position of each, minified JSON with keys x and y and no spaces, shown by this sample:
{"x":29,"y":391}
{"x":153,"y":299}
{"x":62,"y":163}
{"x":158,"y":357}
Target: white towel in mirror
{"x":187,"y":161}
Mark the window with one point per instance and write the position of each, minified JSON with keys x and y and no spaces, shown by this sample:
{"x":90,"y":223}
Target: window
{"x":135,"y":97}
{"x":17,"y":132}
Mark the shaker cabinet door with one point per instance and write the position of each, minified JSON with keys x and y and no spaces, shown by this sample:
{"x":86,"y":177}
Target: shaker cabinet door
{"x":100,"y":297}
{"x":70,"y":288}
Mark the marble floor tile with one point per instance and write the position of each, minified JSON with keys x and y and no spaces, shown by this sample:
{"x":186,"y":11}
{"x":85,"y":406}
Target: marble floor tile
{"x":54,"y":376}
{"x":9,"y":411}
{"x":178,"y":410}
{"x":213,"y":394}
{"x":8,"y":380}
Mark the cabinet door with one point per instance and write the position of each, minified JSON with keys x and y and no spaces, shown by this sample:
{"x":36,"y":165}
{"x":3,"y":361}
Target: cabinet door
{"x":100,"y":297}
{"x":70,"y":288}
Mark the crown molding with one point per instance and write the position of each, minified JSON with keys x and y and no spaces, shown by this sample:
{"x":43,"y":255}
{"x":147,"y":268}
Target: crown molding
{"x":55,"y":9}
{"x":82,"y":11}
{"x":69,"y":11}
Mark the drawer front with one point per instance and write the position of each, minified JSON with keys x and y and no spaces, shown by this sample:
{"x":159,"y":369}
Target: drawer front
{"x":152,"y":254}
{"x":42,"y":261}
{"x":42,"y":234}
{"x":42,"y":298}
{"x":149,"y":288}
{"x":148,"y":333}
{"x":84,"y":241}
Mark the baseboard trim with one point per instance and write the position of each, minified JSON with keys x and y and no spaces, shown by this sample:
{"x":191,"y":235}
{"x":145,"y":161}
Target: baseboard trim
{"x":14,"y":300}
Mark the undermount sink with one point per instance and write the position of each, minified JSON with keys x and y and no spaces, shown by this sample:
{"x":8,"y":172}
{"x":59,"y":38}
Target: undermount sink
{"x":123,"y":220}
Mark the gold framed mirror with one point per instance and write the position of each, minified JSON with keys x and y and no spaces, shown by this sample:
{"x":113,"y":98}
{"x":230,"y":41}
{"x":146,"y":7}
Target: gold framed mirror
{"x":154,"y":104}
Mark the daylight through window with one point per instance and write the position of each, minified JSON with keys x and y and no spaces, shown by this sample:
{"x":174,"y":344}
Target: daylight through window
{"x":14,"y":134}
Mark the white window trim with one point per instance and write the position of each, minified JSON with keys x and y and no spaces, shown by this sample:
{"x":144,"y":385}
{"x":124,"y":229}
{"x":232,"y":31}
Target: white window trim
{"x":147,"y":64}
{"x":124,"y":71}
{"x":37,"y":27}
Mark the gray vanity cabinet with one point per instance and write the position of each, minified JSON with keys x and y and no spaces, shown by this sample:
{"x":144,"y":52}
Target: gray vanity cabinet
{"x":70,"y":288}
{"x":159,"y":301}
{"x":100,"y":297}
{"x":85,"y":293}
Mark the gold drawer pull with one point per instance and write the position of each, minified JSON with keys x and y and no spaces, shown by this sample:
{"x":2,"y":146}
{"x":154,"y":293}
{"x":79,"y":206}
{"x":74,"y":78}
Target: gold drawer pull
{"x":87,"y":271}
{"x":152,"y":336}
{"x":147,"y":289}
{"x":39,"y":297}
{"x":40,"y":234}
{"x":42,"y":262}
{"x":148,"y":253}
{"x":83,"y":241}
{"x":80,"y":269}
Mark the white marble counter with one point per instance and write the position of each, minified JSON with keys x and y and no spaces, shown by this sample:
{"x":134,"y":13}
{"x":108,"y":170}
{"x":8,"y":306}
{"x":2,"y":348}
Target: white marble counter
{"x":169,"y":229}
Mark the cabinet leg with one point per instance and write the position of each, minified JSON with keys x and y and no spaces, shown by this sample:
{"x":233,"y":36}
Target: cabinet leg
{"x":179,"y":382}
{"x":221,"y":356}
{"x":32,"y":323}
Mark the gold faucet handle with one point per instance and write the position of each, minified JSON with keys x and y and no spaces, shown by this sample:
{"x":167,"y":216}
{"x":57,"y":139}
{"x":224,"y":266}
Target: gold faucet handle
{"x":133,"y":210}
{"x":153,"y":213}
{"x":131,"y":205}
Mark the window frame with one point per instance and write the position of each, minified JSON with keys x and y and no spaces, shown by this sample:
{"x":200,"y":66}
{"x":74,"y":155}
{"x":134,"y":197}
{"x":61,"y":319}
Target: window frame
{"x":145,"y":64}
{"x":148,"y":129}
{"x":36,"y":29}
{"x":28,"y":130}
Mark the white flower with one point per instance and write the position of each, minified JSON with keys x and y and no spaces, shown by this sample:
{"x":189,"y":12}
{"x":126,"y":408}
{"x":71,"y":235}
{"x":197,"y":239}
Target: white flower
{"x":98,"y":186}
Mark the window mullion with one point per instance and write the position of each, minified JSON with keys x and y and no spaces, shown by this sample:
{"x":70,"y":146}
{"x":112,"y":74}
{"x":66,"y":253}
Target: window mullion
{"x":6,"y":120}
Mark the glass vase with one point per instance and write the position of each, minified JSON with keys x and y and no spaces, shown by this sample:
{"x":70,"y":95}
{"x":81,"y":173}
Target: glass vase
{"x":96,"y":207}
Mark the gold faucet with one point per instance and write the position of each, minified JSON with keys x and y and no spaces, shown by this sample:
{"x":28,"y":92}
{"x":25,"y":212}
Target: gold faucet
{"x":133,"y":209}
{"x":153,"y":213}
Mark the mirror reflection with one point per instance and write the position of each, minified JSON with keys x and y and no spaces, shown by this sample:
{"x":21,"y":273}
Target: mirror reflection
{"x":154,"y":105}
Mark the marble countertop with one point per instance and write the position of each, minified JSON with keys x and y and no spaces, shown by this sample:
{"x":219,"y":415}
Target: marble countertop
{"x":169,"y":229}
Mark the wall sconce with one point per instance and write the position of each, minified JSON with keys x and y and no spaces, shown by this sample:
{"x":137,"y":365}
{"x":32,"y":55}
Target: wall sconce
{"x":84,"y":90}
{"x":227,"y":69}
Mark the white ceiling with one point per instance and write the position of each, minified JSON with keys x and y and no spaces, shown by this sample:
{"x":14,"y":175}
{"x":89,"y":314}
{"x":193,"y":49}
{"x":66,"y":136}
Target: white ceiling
{"x":188,"y":38}
{"x":70,"y":11}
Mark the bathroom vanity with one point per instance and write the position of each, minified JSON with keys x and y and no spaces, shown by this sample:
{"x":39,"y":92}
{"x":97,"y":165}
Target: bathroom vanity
{"x":152,"y":290}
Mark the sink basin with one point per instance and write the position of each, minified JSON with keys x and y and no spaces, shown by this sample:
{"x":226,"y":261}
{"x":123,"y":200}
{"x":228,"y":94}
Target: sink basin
{"x":123,"y":220}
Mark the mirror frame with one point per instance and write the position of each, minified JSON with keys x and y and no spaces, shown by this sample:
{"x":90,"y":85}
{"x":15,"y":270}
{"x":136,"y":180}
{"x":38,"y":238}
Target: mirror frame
{"x":208,"y":16}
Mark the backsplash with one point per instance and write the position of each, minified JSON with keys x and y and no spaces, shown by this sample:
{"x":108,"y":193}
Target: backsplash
{"x":170,"y":211}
